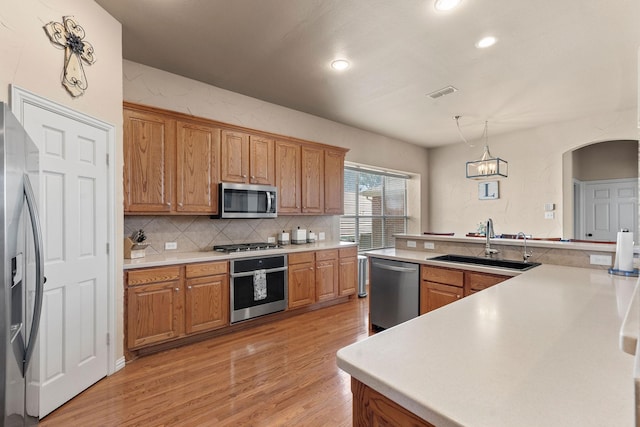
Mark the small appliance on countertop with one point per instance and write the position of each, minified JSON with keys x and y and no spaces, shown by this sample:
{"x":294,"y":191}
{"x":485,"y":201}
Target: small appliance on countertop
{"x":311,"y":237}
{"x":299,"y":236}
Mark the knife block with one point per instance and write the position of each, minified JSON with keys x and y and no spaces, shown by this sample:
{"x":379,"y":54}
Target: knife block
{"x":133,"y":250}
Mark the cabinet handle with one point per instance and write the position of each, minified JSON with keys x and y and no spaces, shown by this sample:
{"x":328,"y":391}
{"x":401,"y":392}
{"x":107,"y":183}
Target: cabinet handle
{"x":180,"y":204}
{"x":458,"y":296}
{"x":168,"y":203}
{"x":244,"y":176}
{"x":189,"y":287}
{"x":177,"y":289}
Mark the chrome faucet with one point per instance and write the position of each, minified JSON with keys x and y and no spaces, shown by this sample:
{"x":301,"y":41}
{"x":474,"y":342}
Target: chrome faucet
{"x":489,"y":235}
{"x":525,"y":255}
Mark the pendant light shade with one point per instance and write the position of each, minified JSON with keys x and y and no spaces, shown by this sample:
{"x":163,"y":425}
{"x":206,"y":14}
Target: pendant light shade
{"x":488,"y":166}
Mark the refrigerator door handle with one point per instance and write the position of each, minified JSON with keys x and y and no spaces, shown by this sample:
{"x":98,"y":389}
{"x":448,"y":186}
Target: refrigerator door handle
{"x":40,"y":279}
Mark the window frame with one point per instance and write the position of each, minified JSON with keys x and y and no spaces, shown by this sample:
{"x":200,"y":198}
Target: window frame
{"x":387,"y":241}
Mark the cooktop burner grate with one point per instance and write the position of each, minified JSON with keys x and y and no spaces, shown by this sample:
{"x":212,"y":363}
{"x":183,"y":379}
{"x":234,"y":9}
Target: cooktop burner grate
{"x":245,"y":247}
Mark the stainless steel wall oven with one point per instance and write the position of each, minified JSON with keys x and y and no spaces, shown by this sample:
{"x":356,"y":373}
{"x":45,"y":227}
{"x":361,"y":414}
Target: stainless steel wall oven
{"x":258,"y":286}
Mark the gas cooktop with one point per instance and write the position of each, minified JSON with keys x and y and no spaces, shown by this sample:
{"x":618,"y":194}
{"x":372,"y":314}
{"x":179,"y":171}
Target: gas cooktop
{"x":245,"y":247}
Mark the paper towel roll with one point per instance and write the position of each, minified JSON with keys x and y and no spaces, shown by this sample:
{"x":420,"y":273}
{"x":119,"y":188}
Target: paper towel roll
{"x":624,"y":251}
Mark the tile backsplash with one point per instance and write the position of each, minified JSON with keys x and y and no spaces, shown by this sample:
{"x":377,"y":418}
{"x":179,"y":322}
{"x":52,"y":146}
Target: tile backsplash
{"x":200,"y":233}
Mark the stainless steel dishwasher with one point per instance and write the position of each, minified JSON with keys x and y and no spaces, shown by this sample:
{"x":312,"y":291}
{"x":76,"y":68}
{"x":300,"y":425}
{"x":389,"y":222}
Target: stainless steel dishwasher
{"x":394,"y":292}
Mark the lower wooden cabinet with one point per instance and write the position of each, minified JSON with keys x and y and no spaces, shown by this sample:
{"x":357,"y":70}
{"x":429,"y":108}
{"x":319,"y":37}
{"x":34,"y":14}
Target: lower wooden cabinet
{"x":440,"y":286}
{"x":301,"y":279}
{"x":348,"y":280}
{"x":164,"y":303}
{"x":326,"y":275}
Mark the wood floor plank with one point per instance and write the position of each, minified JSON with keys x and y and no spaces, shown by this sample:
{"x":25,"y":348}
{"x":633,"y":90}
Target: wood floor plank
{"x":277,"y":374}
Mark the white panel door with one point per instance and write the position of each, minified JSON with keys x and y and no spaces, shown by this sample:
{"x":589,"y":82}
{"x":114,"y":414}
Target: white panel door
{"x":609,"y":207}
{"x":73,"y":206}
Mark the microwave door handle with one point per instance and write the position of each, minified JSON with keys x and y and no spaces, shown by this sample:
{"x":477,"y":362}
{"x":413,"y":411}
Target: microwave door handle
{"x":268,"y":201}
{"x":39,"y":261}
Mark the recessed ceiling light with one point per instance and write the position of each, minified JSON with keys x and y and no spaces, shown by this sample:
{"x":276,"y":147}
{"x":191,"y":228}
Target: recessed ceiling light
{"x":444,"y":5}
{"x":486,"y":42}
{"x":340,"y":64}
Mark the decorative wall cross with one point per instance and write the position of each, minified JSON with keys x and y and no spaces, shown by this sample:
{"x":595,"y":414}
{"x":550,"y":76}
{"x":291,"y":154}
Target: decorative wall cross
{"x":68,"y":35}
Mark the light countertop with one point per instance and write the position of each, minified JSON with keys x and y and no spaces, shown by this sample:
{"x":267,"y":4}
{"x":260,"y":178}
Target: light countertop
{"x":541,"y":348}
{"x":172,"y":258}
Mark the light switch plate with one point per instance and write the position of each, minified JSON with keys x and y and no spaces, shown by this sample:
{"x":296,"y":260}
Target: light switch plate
{"x":170,"y":245}
{"x":411,"y":243}
{"x":548,"y":215}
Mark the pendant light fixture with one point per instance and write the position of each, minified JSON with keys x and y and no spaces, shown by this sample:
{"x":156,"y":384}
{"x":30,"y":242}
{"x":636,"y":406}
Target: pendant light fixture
{"x":488,"y":166}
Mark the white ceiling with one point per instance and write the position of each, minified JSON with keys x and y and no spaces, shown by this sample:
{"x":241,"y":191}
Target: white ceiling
{"x":555,"y":60}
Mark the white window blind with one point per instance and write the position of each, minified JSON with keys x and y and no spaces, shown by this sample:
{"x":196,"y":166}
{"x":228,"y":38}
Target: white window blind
{"x":375,"y":208}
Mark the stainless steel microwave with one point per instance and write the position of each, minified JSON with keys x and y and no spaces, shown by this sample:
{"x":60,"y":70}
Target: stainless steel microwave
{"x":247,"y":201}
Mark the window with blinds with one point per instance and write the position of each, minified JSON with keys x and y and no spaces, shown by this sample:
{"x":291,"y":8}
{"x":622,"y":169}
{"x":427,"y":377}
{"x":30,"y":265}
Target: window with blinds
{"x":375,"y":208}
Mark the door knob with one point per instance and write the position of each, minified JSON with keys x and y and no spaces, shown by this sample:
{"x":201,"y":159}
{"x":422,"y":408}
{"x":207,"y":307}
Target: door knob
{"x":589,"y":234}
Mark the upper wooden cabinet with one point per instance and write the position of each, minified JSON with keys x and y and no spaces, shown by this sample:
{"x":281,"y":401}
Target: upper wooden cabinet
{"x":198,"y":148}
{"x":312,"y":180}
{"x":334,"y":182}
{"x":173,"y":164}
{"x":149,"y":147}
{"x":247,"y":159}
{"x":288,"y":177}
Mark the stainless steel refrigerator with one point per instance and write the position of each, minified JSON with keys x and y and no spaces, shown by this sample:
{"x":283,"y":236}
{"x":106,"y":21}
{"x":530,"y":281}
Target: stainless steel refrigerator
{"x":22,"y":271}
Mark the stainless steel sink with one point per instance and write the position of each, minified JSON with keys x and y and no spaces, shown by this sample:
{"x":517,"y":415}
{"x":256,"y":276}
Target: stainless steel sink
{"x":501,"y":263}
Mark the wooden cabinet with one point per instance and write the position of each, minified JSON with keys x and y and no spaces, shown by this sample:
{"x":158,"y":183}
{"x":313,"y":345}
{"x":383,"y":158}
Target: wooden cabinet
{"x":170,"y":166}
{"x":247,"y":159}
{"x":198,"y":151}
{"x":206,"y":296}
{"x":327,"y":275}
{"x":149,"y":146}
{"x":301,"y":279}
{"x":288,"y":177}
{"x":348,"y":270}
{"x":439,"y":287}
{"x":334,"y":182}
{"x":154,"y":306}
{"x":312,"y":180}
{"x":164,"y":303}
{"x":475,"y":281}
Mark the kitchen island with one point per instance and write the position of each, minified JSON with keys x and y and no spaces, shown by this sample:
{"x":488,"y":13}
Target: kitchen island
{"x":541,"y":348}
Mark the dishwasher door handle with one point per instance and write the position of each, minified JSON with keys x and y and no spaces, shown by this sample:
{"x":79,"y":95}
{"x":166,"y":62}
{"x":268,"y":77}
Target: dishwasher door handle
{"x":394,"y":268}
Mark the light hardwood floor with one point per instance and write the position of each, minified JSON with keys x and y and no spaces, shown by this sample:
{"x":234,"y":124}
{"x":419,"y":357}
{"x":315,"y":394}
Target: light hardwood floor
{"x":278,"y":374}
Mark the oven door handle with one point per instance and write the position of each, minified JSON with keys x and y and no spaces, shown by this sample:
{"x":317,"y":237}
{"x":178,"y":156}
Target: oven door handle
{"x":251,"y":273}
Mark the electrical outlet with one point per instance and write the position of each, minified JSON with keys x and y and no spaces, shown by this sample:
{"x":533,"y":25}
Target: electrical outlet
{"x":170,"y":245}
{"x":321,"y":235}
{"x":600,"y":259}
{"x":411,"y":243}
{"x":549,"y":215}
{"x":429,"y":245}
{"x":271,"y":239}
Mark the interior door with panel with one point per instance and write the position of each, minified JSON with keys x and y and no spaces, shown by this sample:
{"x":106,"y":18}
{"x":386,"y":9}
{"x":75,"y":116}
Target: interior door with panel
{"x":609,"y":207}
{"x":197,"y":162}
{"x":74,"y":196}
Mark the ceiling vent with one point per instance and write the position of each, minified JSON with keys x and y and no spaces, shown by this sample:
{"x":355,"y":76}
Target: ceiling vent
{"x":442,"y":92}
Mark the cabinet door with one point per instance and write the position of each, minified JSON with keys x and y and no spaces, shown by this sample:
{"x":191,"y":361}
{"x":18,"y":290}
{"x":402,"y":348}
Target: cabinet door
{"x":261,"y":161}
{"x":333,"y":182}
{"x":149,"y":146}
{"x":206,"y":303}
{"x":288,"y":177}
{"x":474,"y":281}
{"x":312,"y":180}
{"x":326,"y":279}
{"x":347,"y":283}
{"x":301,"y":284}
{"x":197,"y":162}
{"x":234,"y":158}
{"x":436,"y":295}
{"x":154,"y":313}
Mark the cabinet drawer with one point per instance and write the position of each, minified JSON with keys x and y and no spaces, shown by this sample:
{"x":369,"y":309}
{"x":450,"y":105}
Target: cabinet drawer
{"x":480,"y":281}
{"x":349,"y":252}
{"x":299,"y":258}
{"x":151,"y":275}
{"x":206,"y":269}
{"x":329,"y":254}
{"x":443,"y":275}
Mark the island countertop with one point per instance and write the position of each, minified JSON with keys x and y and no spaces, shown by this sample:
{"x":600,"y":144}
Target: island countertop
{"x":539,"y":349}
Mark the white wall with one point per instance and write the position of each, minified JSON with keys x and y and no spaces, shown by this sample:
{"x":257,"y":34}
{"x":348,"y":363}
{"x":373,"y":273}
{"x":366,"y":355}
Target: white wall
{"x":150,"y":86}
{"x":30,"y":61}
{"x":535,"y":159}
